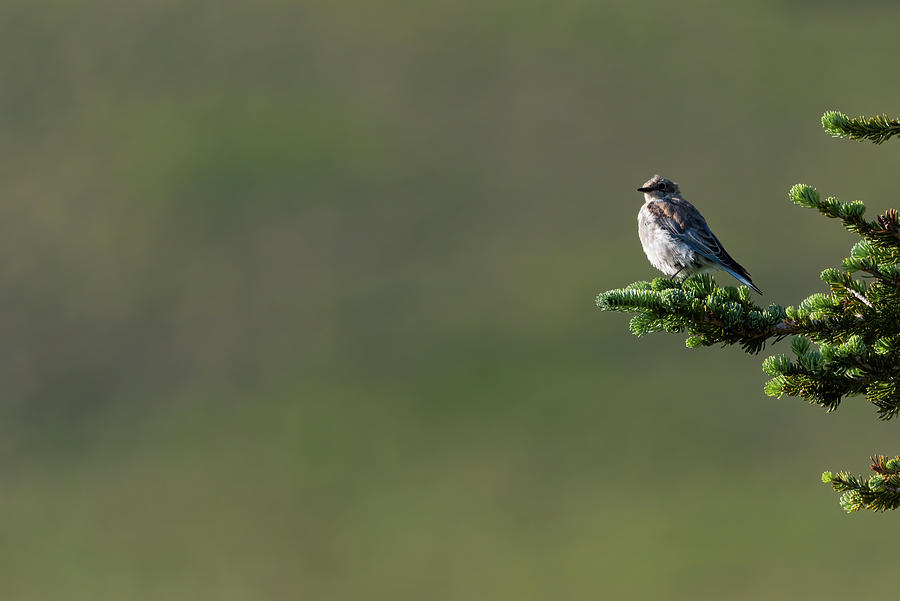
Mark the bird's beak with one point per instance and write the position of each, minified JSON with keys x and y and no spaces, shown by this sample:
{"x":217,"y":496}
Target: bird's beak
{"x":643,"y":189}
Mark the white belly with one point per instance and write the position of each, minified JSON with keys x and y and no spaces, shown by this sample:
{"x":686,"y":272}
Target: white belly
{"x":665,"y":252}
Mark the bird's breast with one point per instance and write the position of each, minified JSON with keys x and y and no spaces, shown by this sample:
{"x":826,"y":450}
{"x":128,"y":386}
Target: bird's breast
{"x":664,"y":251}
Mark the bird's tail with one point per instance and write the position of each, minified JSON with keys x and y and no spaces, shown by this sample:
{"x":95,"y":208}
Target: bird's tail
{"x":741,"y":275}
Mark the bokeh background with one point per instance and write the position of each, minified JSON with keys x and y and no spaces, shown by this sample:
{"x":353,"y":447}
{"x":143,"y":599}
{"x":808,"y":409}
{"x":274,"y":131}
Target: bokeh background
{"x":298,"y":299}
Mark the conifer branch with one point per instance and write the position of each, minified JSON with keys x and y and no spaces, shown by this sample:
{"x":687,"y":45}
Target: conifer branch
{"x":877,"y":129}
{"x":709,"y":314}
{"x":879,"y":492}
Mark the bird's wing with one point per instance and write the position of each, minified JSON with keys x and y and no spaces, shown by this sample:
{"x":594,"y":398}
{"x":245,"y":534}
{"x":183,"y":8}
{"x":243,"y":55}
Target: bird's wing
{"x":684,"y":222}
{"x":705,"y":242}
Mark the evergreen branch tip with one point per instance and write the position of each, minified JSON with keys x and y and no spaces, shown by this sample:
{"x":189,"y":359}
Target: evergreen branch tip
{"x":876,"y":129}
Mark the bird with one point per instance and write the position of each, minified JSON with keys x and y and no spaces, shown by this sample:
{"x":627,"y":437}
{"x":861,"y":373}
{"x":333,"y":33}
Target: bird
{"x":676,"y":238}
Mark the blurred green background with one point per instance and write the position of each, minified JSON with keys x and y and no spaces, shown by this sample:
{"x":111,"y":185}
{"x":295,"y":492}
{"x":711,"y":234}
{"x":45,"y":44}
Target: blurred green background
{"x":297,"y":299}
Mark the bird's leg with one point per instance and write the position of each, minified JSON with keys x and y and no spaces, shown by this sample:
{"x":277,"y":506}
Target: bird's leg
{"x":677,"y":272}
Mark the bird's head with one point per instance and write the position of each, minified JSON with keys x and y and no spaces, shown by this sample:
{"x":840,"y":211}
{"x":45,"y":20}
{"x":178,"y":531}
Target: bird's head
{"x":658,"y":187}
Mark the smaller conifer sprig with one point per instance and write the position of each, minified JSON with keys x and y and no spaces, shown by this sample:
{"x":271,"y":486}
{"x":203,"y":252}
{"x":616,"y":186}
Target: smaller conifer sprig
{"x":878,"y":492}
{"x":884,"y":232}
{"x":877,"y":129}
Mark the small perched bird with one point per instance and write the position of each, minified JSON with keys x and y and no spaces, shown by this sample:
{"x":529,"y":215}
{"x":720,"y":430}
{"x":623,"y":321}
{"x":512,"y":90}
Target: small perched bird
{"x":676,"y":238}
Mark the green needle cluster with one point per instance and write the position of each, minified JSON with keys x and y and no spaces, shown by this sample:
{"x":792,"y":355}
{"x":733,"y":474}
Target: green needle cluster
{"x":877,"y":129}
